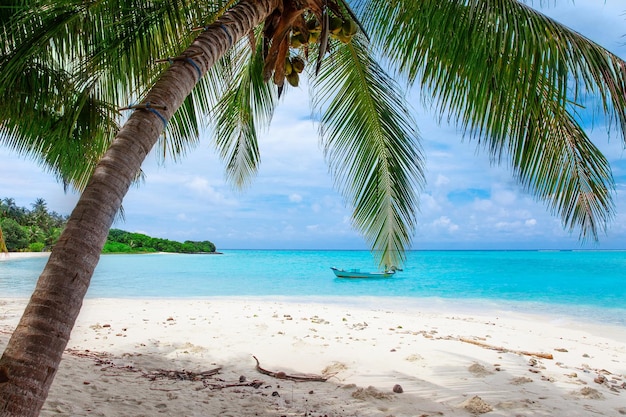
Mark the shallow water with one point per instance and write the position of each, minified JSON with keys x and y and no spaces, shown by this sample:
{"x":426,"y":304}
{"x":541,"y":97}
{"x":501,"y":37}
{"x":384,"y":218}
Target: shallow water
{"x":589,"y":284}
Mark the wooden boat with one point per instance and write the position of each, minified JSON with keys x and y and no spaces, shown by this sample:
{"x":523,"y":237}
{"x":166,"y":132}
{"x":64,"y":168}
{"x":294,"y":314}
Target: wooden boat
{"x":356,"y":273}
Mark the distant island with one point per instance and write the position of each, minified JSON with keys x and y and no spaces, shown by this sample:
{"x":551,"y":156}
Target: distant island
{"x":38,"y":229}
{"x":121,"y":241}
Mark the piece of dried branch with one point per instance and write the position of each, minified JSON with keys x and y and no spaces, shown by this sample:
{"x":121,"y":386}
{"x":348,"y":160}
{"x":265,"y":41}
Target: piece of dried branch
{"x":503,"y":349}
{"x":283,"y":375}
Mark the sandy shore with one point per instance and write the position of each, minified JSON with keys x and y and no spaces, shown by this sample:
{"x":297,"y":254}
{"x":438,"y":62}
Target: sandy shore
{"x":152,"y":357}
{"x":10,"y":256}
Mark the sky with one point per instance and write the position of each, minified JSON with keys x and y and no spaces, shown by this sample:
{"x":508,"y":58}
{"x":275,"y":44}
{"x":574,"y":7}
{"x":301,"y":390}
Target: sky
{"x":292,"y":203}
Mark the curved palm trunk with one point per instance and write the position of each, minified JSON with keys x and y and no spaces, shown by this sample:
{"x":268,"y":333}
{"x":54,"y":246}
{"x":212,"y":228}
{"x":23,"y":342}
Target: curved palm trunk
{"x":34,"y":352}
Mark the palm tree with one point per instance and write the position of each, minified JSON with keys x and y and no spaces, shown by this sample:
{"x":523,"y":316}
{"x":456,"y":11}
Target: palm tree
{"x":3,"y":246}
{"x":500,"y":68}
{"x":3,"y":210}
{"x":9,"y":209}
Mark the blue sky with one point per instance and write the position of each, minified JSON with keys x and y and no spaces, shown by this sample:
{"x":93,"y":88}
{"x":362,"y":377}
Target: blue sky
{"x":467,"y":202}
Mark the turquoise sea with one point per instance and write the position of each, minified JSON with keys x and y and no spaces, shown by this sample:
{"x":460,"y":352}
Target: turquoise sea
{"x":587,"y":284}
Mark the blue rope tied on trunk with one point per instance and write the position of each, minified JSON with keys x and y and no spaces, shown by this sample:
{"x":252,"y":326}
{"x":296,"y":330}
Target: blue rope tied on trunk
{"x":193,"y":63}
{"x":227,"y":34}
{"x":159,"y":115}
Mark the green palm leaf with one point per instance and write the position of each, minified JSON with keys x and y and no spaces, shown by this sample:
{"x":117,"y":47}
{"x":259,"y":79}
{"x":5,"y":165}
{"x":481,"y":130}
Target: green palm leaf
{"x":108,"y":49}
{"x":247,"y":103}
{"x":67,"y":138}
{"x":506,"y":74}
{"x":562,"y":166}
{"x":371,"y":146}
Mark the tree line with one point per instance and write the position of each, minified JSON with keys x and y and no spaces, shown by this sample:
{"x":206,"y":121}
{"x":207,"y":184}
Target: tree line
{"x":33,"y":230}
{"x":38,"y":229}
{"x":121,"y":241}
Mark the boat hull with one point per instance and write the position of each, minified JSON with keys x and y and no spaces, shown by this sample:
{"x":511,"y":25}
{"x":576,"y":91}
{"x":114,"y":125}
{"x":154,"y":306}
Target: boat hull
{"x":355,"y":273}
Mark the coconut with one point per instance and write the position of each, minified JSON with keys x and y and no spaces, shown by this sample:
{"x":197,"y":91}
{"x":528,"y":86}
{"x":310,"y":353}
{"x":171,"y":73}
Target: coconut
{"x":293,"y":79}
{"x":297,"y":63}
{"x":297,"y":40}
{"x":349,"y":27}
{"x":313,"y":25}
{"x":288,"y":66}
{"x":335,"y":25}
{"x":344,"y":38}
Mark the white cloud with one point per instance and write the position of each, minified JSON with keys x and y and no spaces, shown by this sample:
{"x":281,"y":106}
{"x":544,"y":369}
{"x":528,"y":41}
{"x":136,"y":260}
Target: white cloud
{"x":504,"y":197}
{"x":506,"y":225}
{"x":295,"y":198}
{"x":441,"y":181}
{"x":483,"y":205}
{"x":429,"y":204}
{"x":445,"y":223}
{"x":204,"y":190}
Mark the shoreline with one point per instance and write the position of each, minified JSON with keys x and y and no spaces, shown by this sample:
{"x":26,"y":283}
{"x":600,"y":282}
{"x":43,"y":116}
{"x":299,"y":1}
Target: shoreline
{"x":448,"y":361}
{"x":10,"y":256}
{"x":589,"y":315}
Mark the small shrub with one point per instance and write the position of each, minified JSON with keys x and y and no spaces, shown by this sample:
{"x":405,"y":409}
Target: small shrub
{"x":36,"y":247}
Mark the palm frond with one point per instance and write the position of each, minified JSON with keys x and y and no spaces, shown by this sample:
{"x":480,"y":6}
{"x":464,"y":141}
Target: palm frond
{"x":123,"y":41}
{"x":497,"y":68}
{"x":125,"y":60}
{"x":246,"y":105}
{"x":182,"y":132}
{"x":67,"y":137}
{"x":565,"y":169}
{"x":110,"y":49}
{"x":371,"y":146}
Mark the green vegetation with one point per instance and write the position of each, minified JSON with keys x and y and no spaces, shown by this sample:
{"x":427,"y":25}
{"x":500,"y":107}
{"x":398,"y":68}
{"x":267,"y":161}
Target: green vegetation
{"x":120,"y":241}
{"x":29,"y":230}
{"x":38,"y":230}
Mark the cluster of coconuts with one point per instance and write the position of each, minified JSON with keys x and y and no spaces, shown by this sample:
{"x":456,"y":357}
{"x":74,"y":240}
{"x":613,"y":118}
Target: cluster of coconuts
{"x":298,"y":38}
{"x":343,"y":30}
{"x":293,"y":67}
{"x":340,"y":29}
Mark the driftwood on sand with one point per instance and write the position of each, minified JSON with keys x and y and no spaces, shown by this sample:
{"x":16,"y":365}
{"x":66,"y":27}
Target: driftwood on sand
{"x":255,"y":384}
{"x":181,"y":375}
{"x":292,"y":377}
{"x":106,"y":361}
{"x":503,"y":349}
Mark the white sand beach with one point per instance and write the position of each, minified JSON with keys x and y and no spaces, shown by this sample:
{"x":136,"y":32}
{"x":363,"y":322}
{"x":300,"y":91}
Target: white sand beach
{"x":152,"y":357}
{"x":10,"y":256}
